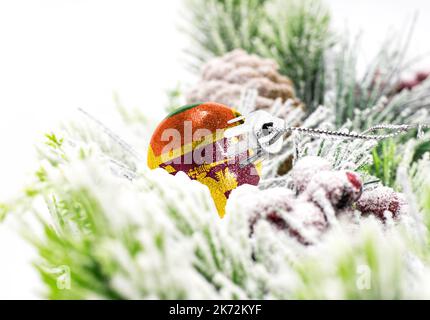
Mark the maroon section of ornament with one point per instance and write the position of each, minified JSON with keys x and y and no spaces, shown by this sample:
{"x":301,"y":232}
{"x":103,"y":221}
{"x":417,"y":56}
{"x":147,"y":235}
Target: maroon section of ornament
{"x":190,"y":161}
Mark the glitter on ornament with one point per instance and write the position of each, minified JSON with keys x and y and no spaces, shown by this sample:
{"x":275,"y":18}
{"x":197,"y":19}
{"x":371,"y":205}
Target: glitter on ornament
{"x":191,"y":139}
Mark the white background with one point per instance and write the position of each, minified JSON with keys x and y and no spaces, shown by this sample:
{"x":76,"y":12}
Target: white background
{"x":57,"y":55}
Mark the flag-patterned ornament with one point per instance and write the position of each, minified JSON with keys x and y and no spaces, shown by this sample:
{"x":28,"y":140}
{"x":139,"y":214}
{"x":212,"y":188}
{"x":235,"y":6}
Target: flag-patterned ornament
{"x":191,"y":139}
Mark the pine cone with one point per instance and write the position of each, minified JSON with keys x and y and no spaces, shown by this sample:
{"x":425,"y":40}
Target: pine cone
{"x":224,"y":78}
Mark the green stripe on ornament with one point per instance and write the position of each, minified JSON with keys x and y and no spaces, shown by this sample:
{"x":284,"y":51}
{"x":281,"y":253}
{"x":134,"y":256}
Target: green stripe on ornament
{"x":182,"y":109}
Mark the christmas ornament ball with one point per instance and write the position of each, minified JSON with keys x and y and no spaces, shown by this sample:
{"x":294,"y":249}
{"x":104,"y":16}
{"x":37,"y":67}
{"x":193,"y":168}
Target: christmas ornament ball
{"x":191,"y":139}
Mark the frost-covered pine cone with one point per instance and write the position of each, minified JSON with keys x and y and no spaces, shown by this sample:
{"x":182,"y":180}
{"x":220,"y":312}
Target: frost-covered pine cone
{"x":223,"y":80}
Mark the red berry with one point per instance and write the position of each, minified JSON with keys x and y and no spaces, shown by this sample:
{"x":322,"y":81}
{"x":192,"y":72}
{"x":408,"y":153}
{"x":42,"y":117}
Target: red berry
{"x":354,"y":179}
{"x":380,"y":201}
{"x":285,"y":213}
{"x":411,"y":83}
{"x":341,"y":188}
{"x":306,"y":168}
{"x":407,"y":84}
{"x":422,"y":75}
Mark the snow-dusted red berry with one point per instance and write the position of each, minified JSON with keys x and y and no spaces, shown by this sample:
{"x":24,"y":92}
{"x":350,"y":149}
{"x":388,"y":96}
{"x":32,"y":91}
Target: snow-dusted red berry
{"x":341,"y":188}
{"x":381,"y":201}
{"x":306,"y":168}
{"x":413,"y":82}
{"x":422,"y":76}
{"x":355,"y":180}
{"x":302,"y":220}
